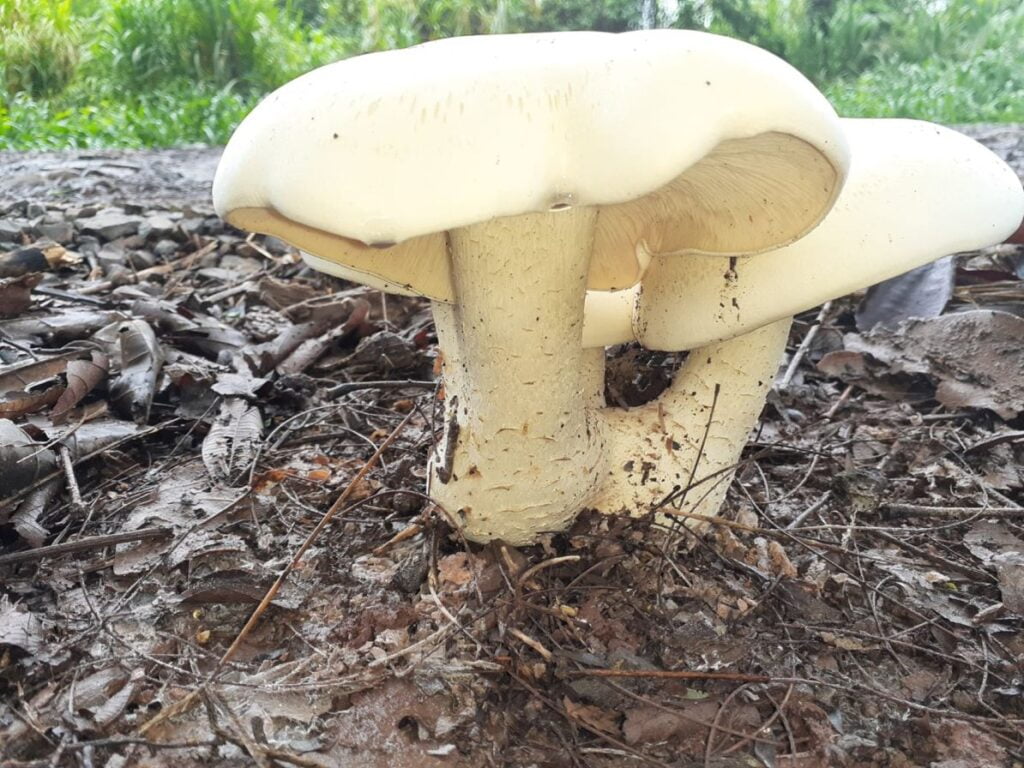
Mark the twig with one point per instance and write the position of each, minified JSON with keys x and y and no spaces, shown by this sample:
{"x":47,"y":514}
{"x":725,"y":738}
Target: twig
{"x":184,"y":704}
{"x":534,"y":570}
{"x":939,"y":560}
{"x":69,"y":476}
{"x":675,"y":674}
{"x":843,"y":398}
{"x":787,"y":377}
{"x":83,"y":545}
{"x":159,"y":269}
{"x":355,"y":386}
{"x":406,"y":533}
{"x":795,"y":523}
{"x":918,"y":510}
{"x":988,"y":442}
{"x":527,"y":640}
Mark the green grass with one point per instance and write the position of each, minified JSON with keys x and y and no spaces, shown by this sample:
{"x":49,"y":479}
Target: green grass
{"x":133,"y":73}
{"x":176,"y":114}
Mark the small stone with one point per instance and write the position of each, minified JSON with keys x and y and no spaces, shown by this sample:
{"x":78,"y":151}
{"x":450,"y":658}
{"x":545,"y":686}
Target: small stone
{"x":140,"y":259}
{"x":88,"y":245}
{"x":165,"y":248}
{"x":16,"y":208}
{"x":111,"y":256}
{"x":191,"y":225}
{"x":157,"y":227}
{"x":240,"y":264}
{"x":35,"y":210}
{"x":132,"y":242}
{"x":60,"y":231}
{"x":276,"y":245}
{"x":10,"y":229}
{"x":110,"y":224}
{"x":213,"y":225}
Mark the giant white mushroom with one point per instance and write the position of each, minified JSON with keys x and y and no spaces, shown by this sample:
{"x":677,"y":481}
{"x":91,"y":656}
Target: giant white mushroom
{"x":503,"y":176}
{"x":916,"y":192}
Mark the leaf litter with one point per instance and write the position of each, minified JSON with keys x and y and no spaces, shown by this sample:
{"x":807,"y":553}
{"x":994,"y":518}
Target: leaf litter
{"x":199,"y":395}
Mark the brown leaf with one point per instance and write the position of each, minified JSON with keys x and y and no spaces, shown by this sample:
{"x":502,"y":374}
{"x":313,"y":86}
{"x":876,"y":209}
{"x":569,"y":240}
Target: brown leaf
{"x":83,"y":376}
{"x":32,"y":372}
{"x":14,"y":404}
{"x":975,"y":357}
{"x":687,"y":725}
{"x":597,"y":718}
{"x":234,"y":438}
{"x":16,"y":294}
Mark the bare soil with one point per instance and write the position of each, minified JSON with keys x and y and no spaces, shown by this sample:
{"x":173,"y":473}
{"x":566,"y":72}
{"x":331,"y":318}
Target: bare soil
{"x":181,"y":406}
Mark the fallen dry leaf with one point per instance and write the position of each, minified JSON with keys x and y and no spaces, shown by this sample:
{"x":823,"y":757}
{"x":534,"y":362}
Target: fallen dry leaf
{"x":234,"y":438}
{"x":83,"y":376}
{"x":140,"y":358}
{"x":16,"y":294}
{"x":36,"y":258}
{"x":603,"y":720}
{"x":22,"y":459}
{"x":19,"y":627}
{"x":922,"y":292}
{"x":975,"y":358}
{"x":14,"y":404}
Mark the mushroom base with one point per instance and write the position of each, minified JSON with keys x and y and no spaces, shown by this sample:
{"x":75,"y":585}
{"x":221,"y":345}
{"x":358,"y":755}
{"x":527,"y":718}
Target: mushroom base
{"x":522,"y":451}
{"x":677,"y":455}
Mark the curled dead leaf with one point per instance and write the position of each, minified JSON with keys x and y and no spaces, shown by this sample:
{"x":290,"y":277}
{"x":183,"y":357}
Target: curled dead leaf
{"x":134,"y":347}
{"x":83,"y":377}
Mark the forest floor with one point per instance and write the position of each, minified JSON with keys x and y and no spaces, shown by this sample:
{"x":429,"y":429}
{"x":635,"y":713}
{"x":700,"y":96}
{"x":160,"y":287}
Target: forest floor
{"x":181,"y":403}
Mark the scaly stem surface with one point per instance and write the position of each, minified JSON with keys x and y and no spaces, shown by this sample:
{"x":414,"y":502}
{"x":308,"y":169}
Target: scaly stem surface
{"x":681,"y":450}
{"x":521,"y":389}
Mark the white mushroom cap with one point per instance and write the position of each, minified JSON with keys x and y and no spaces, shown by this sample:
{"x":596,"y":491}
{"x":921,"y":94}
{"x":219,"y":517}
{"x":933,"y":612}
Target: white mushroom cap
{"x":686,"y":141}
{"x":916,"y":192}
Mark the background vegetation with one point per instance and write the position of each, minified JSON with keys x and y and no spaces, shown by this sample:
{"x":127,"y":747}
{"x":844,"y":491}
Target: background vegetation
{"x":91,"y":73}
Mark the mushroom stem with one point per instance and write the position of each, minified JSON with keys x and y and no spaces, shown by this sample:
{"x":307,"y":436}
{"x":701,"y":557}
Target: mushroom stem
{"x":518,"y":381}
{"x":679,"y":453}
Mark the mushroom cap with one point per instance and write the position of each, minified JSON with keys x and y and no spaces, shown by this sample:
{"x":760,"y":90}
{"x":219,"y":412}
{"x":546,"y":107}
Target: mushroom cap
{"x":686,"y":141}
{"x":916,"y":192}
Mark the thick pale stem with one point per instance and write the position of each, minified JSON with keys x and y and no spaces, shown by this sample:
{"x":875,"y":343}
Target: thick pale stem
{"x":682,"y":449}
{"x":526,"y":454}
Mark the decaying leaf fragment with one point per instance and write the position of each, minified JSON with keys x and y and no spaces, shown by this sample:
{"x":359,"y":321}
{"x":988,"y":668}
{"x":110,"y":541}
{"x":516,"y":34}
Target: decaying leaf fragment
{"x":18,"y":627}
{"x":995,"y":545}
{"x":16,"y":294}
{"x":921,"y":292}
{"x":23,"y":461}
{"x":975,"y":358}
{"x":234,"y":438}
{"x":138,"y":354}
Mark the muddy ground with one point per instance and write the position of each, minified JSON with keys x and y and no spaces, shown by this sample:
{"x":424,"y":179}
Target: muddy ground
{"x":180,"y":404}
